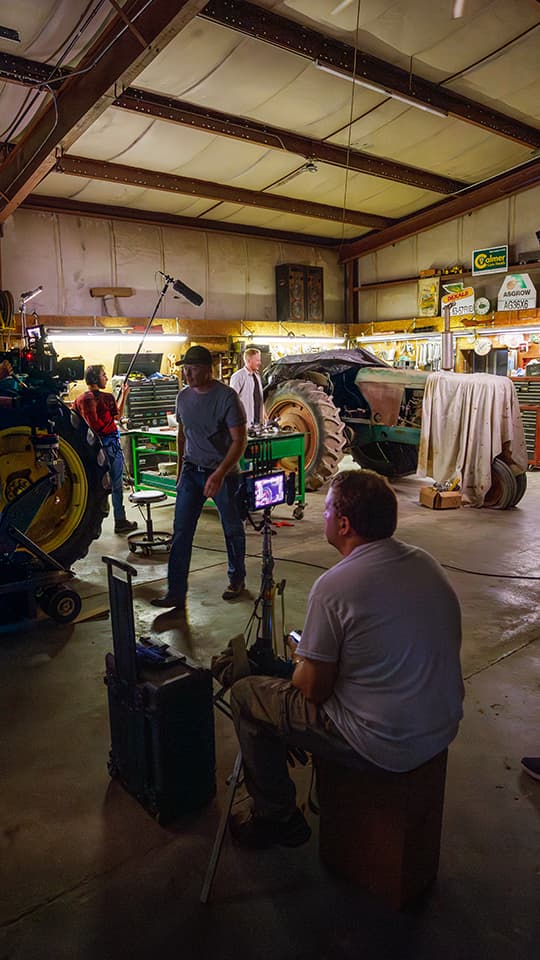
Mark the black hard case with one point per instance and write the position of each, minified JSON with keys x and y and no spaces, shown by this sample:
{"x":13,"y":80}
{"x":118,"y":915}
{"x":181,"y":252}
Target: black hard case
{"x":161,"y":718}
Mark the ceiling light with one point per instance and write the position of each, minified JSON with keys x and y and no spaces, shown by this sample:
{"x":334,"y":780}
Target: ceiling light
{"x":461,"y":332}
{"x":411,"y":102}
{"x":91,"y":335}
{"x":341,"y":6}
{"x":6,"y":33}
{"x":299,"y":340}
{"x":308,"y":167}
{"x":384,"y":91}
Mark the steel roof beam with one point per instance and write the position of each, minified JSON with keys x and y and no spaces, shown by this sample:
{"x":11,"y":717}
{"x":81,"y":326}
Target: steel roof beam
{"x":116,"y":55}
{"x":32,"y":73}
{"x":103,"y":211}
{"x":249,"y":131}
{"x":190,"y":187}
{"x":516,"y":181}
{"x":271,"y":28}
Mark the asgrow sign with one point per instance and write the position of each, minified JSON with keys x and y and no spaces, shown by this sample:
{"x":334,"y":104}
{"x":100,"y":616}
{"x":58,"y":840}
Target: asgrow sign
{"x":490,"y":260}
{"x":517,"y":293}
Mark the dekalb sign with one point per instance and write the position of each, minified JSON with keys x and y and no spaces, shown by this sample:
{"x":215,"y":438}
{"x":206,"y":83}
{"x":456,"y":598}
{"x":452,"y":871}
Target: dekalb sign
{"x":489,"y":260}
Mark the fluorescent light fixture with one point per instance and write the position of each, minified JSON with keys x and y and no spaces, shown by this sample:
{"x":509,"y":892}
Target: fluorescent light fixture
{"x":7,"y":33}
{"x":308,"y":167}
{"x":299,"y":340}
{"x":387,"y":337}
{"x":465,"y":332}
{"x":126,"y":338}
{"x":494,"y":330}
{"x":377,"y":88}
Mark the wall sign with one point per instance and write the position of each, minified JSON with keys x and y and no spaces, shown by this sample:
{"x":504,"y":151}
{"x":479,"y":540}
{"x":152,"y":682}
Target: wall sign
{"x":517,"y":293}
{"x":461,"y":300}
{"x":489,"y":260}
{"x":428,"y":297}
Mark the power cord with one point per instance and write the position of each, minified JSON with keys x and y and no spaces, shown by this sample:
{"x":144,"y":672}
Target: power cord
{"x":447,"y":566}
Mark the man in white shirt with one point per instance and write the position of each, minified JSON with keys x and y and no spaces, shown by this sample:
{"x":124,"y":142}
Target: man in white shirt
{"x":378,"y":676}
{"x":248,"y":385}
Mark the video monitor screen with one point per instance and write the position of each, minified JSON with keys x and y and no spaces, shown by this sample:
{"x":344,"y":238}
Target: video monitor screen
{"x":266,"y":491}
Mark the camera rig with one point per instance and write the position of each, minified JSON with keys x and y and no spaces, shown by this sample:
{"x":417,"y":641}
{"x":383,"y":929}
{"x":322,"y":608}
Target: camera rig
{"x":264,"y":487}
{"x":36,"y":363}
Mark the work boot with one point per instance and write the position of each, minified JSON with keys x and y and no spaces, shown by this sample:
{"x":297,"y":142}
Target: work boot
{"x":233,"y":591}
{"x":168,"y":603}
{"x":259,"y":834}
{"x":125,"y":526}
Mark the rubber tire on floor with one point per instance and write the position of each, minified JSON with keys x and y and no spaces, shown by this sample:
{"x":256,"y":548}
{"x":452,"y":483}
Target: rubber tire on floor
{"x":387,"y":458}
{"x":304,"y":407}
{"x":521,"y":482}
{"x":503,"y":492}
{"x":63,"y":605}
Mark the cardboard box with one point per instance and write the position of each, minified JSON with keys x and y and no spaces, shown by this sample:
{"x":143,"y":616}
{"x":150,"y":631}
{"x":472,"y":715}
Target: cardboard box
{"x":440,"y":499}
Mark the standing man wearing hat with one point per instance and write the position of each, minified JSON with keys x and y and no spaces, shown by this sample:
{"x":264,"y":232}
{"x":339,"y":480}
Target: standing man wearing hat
{"x":211,"y":441}
{"x":248,"y":385}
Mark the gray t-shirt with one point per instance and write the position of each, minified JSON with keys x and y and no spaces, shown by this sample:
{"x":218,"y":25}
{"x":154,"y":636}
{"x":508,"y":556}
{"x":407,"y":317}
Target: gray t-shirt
{"x":389,"y":617}
{"x":206,"y":418}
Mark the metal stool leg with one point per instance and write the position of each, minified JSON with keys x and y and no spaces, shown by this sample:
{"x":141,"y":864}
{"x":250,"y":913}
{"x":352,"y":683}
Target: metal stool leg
{"x":149,"y":526}
{"x":218,"y":842}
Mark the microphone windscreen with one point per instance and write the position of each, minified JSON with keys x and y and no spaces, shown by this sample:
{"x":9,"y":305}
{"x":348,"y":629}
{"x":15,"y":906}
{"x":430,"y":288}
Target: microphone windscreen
{"x":188,"y":293}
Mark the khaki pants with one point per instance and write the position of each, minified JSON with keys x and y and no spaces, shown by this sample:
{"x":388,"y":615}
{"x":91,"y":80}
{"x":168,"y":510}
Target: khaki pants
{"x":269,"y":715}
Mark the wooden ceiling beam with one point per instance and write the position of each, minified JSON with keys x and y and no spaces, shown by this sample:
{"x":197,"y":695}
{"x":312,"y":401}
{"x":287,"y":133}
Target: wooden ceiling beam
{"x":190,"y":187}
{"x":516,"y":181}
{"x":269,"y":27}
{"x":103,"y":211}
{"x":275,"y":138}
{"x":116,"y":55}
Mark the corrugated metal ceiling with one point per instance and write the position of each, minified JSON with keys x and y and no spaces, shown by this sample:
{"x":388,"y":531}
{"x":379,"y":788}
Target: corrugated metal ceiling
{"x":255,"y":65}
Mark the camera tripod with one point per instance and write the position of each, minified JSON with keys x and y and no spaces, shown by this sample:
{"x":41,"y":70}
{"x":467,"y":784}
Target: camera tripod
{"x":263,"y":656}
{"x":262,"y":652}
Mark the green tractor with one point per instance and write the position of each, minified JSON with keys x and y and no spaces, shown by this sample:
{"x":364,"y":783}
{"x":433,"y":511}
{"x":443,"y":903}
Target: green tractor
{"x":348,"y":401}
{"x":54,"y":478}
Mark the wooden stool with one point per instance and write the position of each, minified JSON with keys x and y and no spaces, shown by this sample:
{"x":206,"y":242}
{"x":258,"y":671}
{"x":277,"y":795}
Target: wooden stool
{"x":381,"y":830}
{"x":151,"y":539}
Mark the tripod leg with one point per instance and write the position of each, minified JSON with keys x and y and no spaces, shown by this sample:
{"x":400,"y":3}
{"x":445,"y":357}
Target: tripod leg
{"x":218,"y":841}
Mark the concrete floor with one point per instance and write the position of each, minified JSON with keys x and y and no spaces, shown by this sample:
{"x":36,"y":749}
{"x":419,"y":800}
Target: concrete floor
{"x":85,"y":872}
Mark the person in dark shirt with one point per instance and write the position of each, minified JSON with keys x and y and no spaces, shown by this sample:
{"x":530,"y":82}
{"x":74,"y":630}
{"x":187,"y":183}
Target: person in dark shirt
{"x":211,"y":440}
{"x":101,"y":411}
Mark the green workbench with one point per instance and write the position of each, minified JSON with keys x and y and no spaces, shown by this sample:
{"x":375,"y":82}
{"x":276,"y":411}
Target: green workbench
{"x":157,"y":445}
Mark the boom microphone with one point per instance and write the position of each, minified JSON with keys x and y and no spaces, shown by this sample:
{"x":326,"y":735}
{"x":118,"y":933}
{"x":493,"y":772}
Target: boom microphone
{"x":30,"y":294}
{"x":184,"y":290}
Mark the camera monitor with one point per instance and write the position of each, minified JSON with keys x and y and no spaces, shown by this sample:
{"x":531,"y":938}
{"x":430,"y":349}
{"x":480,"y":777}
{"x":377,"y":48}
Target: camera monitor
{"x":266,"y":490}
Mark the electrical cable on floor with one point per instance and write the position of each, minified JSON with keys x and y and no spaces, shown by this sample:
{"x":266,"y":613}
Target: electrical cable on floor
{"x":448,"y":566}
{"x":484,"y":573}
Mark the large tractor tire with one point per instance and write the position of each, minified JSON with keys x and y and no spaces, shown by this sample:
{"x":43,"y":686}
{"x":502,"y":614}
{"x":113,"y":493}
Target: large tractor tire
{"x":71,"y":516}
{"x":389,"y":459}
{"x":304,"y":407}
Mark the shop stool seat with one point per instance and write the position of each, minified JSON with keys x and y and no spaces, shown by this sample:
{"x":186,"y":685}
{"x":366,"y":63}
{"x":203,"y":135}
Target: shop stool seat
{"x":381,"y":830}
{"x":151,"y":539}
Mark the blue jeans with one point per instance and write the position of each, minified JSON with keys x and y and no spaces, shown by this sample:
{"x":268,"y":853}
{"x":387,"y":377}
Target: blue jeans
{"x":112,"y":448}
{"x":190,"y":500}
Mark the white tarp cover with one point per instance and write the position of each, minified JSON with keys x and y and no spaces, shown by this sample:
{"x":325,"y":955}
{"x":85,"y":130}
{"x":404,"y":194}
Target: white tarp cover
{"x":466,"y":421}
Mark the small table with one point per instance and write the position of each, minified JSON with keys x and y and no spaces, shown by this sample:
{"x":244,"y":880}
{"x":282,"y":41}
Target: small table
{"x":158,"y":444}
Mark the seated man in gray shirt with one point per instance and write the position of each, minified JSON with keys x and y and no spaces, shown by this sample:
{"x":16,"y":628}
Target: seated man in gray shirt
{"x":378,"y":676}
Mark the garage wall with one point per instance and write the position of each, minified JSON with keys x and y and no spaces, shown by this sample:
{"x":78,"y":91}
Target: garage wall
{"x":513,"y":221}
{"x":235,"y":275}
